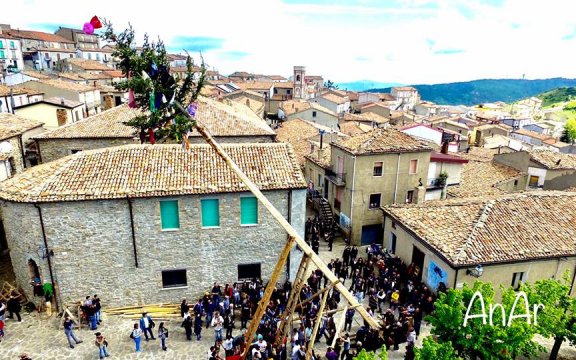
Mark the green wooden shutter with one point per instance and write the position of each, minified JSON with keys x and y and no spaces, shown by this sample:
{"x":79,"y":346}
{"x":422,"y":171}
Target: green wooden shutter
{"x":1,"y":54}
{"x":169,"y":214}
{"x":248,"y":210}
{"x":210,"y":212}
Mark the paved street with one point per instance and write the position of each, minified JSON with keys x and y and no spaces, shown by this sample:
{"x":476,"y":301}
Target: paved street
{"x":41,"y":339}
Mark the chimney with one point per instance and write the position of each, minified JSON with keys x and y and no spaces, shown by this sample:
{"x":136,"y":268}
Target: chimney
{"x":320,"y":153}
{"x":312,"y":148}
{"x":62,"y":101}
{"x":419,"y":194}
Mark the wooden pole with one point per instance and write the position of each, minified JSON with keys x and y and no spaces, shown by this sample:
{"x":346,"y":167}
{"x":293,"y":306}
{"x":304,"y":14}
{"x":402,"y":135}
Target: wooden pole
{"x":263,"y":304}
{"x":339,"y":326}
{"x":278,"y":217}
{"x":317,"y":324}
{"x":292,"y":300}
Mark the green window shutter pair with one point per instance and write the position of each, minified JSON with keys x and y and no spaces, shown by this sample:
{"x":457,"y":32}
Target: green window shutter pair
{"x":169,"y":214}
{"x":210,"y":212}
{"x":248,"y":210}
{"x":1,"y":54}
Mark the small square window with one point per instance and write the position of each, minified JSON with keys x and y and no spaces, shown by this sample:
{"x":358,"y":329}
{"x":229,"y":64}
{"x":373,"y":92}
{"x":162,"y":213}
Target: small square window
{"x":174,"y":278}
{"x":210,"y":212}
{"x":313,"y":113}
{"x":248,"y":210}
{"x":169,"y":216}
{"x":249,"y":271}
{"x":517,"y":279}
{"x":410,"y":197}
{"x":413,"y":166}
{"x":515,"y":182}
{"x":374,"y":202}
{"x":377,"y":168}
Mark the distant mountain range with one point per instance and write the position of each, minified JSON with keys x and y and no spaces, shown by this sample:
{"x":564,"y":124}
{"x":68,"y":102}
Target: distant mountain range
{"x":485,"y":90}
{"x":363,"y":85}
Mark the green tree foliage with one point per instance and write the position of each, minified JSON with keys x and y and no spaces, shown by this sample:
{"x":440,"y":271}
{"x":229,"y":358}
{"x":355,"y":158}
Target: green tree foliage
{"x":147,"y":70}
{"x":330,"y":85}
{"x":558,"y":318}
{"x":432,"y":350}
{"x":569,"y":133}
{"x":476,"y":339}
{"x":365,"y":355}
{"x":561,"y":94}
{"x":487,"y":90}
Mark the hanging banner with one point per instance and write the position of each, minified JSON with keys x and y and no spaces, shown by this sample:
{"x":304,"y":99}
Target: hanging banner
{"x":436,"y":275}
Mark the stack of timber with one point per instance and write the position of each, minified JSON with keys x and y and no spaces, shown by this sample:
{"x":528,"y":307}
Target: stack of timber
{"x":11,"y":290}
{"x":156,"y":311}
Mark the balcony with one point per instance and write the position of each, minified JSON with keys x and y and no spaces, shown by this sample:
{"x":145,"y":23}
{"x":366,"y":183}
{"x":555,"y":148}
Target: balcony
{"x":338,"y":179}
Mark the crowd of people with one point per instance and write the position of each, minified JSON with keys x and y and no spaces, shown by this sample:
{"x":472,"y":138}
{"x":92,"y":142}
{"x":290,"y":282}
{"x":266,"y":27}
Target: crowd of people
{"x":392,"y":291}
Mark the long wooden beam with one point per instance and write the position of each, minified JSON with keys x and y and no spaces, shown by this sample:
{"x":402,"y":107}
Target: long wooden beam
{"x":317,"y":325}
{"x":278,"y":217}
{"x":339,"y":326}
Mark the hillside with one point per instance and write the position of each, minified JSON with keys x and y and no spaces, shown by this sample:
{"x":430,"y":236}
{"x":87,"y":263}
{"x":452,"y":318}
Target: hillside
{"x":486,"y":90}
{"x":363,"y":85}
{"x":563,"y":94}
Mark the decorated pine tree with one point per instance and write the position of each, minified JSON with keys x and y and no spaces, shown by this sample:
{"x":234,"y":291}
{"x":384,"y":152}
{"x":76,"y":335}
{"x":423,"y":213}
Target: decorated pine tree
{"x":153,"y":89}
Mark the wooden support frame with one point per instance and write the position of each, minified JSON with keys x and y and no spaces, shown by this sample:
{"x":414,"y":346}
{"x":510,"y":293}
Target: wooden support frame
{"x":317,"y":323}
{"x":339,"y":326}
{"x":293,"y":235}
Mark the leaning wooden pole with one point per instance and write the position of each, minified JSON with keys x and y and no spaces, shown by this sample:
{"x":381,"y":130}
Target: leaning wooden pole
{"x":317,"y":324}
{"x":278,"y":217}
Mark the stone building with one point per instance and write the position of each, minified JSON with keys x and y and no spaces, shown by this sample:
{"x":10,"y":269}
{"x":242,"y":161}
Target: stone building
{"x":15,"y":131}
{"x":501,"y":239}
{"x":383,"y":166}
{"x":228,"y":122}
{"x":151,"y":223}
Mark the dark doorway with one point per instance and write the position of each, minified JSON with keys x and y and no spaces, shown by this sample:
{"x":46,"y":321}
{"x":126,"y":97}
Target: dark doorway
{"x":118,"y":100}
{"x":371,"y":234}
{"x":393,"y":243}
{"x":418,"y":261}
{"x":325,"y":188}
{"x":3,"y":242}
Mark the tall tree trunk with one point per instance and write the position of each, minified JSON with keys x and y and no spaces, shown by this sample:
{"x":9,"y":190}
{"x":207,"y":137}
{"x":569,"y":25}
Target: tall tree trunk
{"x":558,"y":340}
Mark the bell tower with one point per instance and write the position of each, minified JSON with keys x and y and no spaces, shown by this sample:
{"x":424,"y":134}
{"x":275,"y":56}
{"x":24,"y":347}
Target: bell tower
{"x":299,"y":83}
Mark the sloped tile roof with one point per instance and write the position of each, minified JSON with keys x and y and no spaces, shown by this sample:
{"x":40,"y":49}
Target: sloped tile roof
{"x":297,"y":133}
{"x":35,"y":74}
{"x":5,"y":90}
{"x":107,"y":124}
{"x":554,"y":160}
{"x":230,"y":119}
{"x":62,"y":102}
{"x":381,"y":141}
{"x":38,"y":35}
{"x":352,"y":128}
{"x":87,"y":64}
{"x":481,"y":178}
{"x":154,"y":171}
{"x":367,"y":116}
{"x":61,"y":84}
{"x":508,"y":228}
{"x":12,"y":125}
{"x":334,"y":98}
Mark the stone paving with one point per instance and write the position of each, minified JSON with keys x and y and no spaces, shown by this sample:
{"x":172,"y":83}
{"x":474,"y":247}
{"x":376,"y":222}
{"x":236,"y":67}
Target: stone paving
{"x":41,"y":339}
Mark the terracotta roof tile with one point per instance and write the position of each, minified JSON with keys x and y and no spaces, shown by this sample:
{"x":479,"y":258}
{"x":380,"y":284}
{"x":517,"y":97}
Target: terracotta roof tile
{"x":334,"y":98}
{"x":533,"y":134}
{"x":352,"y":128}
{"x":5,"y":90}
{"x":107,"y":124}
{"x":506,"y":228}
{"x":36,"y":74}
{"x":324,"y":159}
{"x":88,"y":64}
{"x":230,"y":119}
{"x":12,"y":125}
{"x":481,"y":178}
{"x":154,"y":171}
{"x":297,"y":133}
{"x":61,"y":84}
{"x":38,"y":35}
{"x":382,"y":141}
{"x":554,"y":160}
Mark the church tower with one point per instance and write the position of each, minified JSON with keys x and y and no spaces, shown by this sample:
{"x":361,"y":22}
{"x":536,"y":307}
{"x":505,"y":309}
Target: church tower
{"x":299,"y":83}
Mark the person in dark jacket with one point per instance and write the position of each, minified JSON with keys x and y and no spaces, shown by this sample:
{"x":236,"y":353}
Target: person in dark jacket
{"x":187,"y":324}
{"x":14,"y":307}
{"x":198,"y":326}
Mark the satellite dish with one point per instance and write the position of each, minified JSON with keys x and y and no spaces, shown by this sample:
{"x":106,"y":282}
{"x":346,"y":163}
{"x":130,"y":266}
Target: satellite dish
{"x":5,"y":147}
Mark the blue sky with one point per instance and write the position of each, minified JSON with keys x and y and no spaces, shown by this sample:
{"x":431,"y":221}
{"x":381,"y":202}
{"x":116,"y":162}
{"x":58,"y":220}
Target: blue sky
{"x":404,"y":41}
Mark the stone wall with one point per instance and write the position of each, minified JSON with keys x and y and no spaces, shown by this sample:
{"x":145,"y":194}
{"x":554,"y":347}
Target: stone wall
{"x":53,"y":149}
{"x":93,"y":251}
{"x":16,"y":153}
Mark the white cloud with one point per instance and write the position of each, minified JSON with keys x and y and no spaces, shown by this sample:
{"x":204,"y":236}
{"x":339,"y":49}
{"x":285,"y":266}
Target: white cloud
{"x":415,"y":41}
